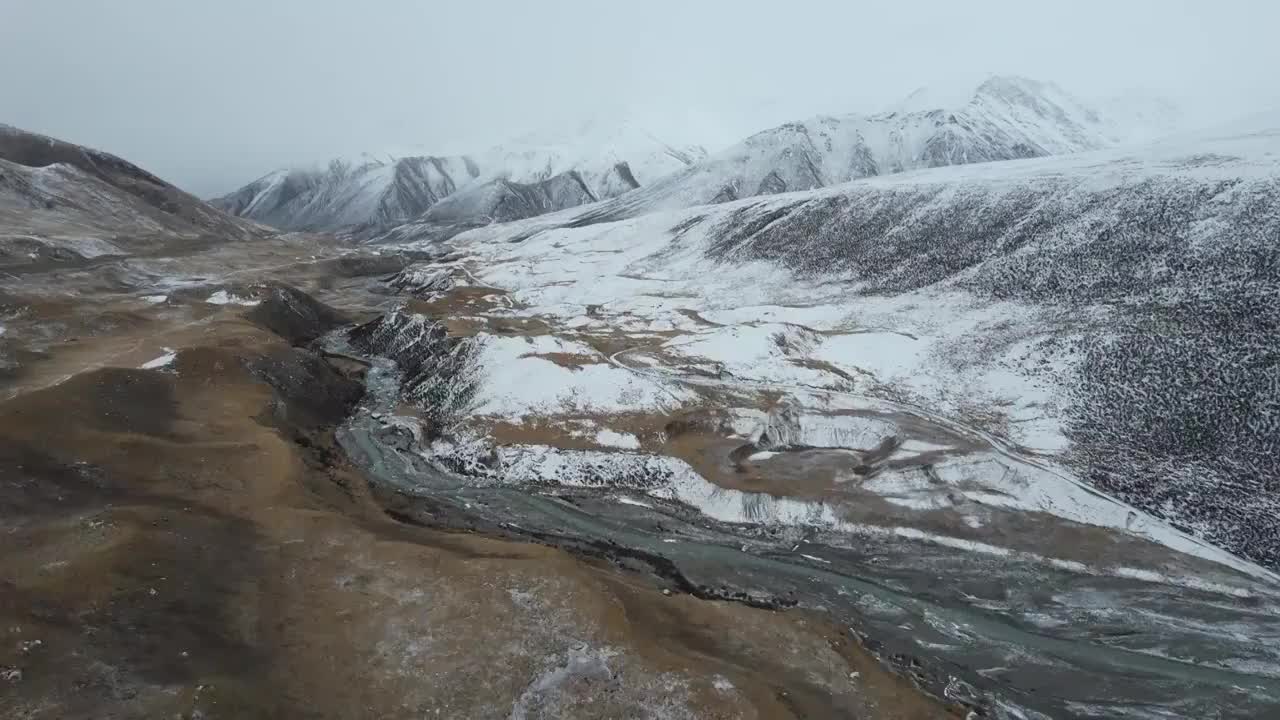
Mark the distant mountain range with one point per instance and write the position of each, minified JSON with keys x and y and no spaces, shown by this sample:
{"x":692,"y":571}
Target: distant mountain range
{"x":1003,"y":118}
{"x":529,"y":176}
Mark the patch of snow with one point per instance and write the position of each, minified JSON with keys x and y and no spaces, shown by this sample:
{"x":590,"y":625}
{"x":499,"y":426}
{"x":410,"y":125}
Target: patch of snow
{"x":581,"y":664}
{"x":611,"y":438}
{"x":222,"y":297}
{"x":163,"y":361}
{"x":815,"y":559}
{"x":920,"y":446}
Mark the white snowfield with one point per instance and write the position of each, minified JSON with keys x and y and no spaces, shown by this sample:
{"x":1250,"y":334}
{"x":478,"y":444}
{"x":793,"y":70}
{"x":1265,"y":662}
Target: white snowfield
{"x":517,"y":382}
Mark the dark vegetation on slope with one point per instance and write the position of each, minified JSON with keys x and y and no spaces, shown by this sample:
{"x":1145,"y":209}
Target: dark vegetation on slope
{"x":1177,"y":403}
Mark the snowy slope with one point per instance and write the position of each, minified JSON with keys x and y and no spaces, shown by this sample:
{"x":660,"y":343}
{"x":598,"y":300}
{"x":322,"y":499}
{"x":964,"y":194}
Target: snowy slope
{"x":382,"y":191}
{"x":365,"y":190}
{"x":60,"y":202}
{"x":53,"y":174}
{"x":1140,"y":116}
{"x":595,"y":150}
{"x":1114,"y":309}
{"x":503,"y":200}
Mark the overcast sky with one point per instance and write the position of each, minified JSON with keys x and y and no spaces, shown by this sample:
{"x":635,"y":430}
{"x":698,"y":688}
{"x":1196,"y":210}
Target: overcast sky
{"x":211,"y":95}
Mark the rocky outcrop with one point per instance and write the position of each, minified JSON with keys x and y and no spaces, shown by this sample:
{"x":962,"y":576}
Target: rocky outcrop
{"x":421,"y":282}
{"x":439,"y":373}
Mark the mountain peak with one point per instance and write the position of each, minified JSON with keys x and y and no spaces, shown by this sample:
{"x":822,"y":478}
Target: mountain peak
{"x":1012,"y":85}
{"x":1009,"y":89}
{"x":928,"y":98}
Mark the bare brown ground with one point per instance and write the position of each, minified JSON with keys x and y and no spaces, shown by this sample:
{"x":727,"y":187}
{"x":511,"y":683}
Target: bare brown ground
{"x":464,"y":299}
{"x":574,"y":431}
{"x":573,"y":361}
{"x":824,"y":366}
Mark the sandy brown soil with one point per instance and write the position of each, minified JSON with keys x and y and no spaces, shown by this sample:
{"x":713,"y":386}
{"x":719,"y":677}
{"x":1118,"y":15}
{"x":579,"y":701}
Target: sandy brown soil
{"x":189,"y":542}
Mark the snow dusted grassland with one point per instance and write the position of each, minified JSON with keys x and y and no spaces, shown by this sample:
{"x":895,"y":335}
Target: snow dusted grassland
{"x":1114,"y":309}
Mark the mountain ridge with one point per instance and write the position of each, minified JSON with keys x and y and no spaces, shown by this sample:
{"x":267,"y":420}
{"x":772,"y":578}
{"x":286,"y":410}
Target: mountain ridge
{"x":376,"y":192}
{"x":1002,"y":118}
{"x":144,"y":192}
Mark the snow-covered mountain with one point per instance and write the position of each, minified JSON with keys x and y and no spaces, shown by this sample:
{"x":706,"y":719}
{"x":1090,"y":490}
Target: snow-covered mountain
{"x":1003,"y":118}
{"x":603,"y":160}
{"x":595,"y":150}
{"x":351,"y":191}
{"x":504,"y":200}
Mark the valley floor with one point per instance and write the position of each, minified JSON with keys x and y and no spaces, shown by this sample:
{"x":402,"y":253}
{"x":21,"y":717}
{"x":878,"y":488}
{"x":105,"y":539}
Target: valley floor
{"x":514,"y":493}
